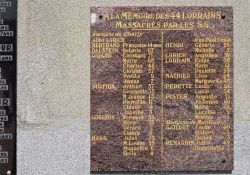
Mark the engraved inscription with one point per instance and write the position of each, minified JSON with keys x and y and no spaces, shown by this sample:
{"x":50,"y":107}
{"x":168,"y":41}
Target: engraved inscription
{"x":8,"y":27}
{"x":161,"y":89}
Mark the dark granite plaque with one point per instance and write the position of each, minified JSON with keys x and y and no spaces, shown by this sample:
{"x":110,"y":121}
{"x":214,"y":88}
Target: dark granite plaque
{"x":8,"y":28}
{"x":161,"y":89}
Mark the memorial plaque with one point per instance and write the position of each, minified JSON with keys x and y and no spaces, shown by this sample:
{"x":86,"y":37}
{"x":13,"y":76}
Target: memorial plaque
{"x":8,"y":27}
{"x":161,"y":89}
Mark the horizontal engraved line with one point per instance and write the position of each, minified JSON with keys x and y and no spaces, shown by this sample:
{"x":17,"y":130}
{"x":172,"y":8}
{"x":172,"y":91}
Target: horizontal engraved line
{"x":161,"y":29}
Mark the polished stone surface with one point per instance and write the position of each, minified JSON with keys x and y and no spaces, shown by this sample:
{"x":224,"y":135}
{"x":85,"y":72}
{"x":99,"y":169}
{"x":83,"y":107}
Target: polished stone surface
{"x":124,"y":150}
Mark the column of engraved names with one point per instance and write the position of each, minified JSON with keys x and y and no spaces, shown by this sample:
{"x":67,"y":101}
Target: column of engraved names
{"x":207,"y":91}
{"x":227,"y":92}
{"x":104,"y":49}
{"x":6,"y":58}
{"x":151,"y":96}
{"x":134,"y":98}
{"x":178,"y":66}
{"x":4,"y":102}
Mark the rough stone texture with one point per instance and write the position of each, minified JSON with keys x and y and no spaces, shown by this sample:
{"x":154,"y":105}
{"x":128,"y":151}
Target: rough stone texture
{"x":53,"y":83}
